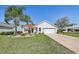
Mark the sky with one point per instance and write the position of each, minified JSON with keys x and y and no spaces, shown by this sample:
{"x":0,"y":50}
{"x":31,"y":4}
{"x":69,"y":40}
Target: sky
{"x":51,"y":13}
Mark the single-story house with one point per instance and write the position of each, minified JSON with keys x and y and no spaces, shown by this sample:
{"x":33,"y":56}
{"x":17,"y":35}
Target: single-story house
{"x":45,"y":27}
{"x":42,"y":27}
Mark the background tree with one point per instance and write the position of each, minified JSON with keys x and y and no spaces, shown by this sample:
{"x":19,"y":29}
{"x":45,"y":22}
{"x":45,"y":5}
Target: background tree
{"x":15,"y":13}
{"x":63,"y":23}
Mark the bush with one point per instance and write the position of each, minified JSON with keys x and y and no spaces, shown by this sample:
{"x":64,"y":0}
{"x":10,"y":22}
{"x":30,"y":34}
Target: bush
{"x":6,"y":33}
{"x":19,"y":32}
{"x":23,"y":34}
{"x":10,"y":33}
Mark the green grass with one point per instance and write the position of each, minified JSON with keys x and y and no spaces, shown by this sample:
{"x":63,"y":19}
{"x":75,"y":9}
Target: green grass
{"x":71,"y":34}
{"x":38,"y":44}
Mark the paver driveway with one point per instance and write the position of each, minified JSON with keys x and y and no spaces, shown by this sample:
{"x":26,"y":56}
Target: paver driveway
{"x":71,"y":43}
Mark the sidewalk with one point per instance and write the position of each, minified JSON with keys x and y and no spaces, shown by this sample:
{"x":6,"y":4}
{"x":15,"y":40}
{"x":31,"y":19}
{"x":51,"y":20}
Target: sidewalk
{"x":71,"y":43}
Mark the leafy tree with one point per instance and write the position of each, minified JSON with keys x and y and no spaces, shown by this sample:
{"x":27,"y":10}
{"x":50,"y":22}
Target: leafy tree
{"x":62,"y":23}
{"x":15,"y":13}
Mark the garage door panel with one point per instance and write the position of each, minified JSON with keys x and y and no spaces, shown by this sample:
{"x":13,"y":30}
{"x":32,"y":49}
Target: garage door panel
{"x":49,"y":30}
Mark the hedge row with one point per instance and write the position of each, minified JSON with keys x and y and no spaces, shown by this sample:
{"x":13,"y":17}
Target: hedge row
{"x":9,"y":33}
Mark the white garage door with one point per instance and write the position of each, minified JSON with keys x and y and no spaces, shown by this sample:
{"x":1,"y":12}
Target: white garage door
{"x":49,"y":30}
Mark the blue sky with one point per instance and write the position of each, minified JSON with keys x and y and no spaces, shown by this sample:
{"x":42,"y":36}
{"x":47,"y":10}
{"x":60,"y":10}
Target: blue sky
{"x":50,"y":13}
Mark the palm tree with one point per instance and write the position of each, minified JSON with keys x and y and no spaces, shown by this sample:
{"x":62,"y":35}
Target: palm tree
{"x":26,"y":18}
{"x":15,"y":13}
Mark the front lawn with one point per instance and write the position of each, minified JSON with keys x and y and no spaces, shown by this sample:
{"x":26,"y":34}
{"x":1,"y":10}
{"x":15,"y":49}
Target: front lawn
{"x":71,"y":34}
{"x":38,"y":44}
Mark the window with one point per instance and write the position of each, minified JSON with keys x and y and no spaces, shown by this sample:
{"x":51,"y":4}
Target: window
{"x":36,"y":29}
{"x":40,"y":29}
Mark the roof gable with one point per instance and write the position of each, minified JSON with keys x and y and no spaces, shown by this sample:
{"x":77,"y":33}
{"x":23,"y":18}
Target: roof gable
{"x":45,"y":24}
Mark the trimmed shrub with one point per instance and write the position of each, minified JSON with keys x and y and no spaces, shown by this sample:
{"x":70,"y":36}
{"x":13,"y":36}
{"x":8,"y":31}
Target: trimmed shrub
{"x":19,"y":32}
{"x":23,"y":34}
{"x":6,"y":33}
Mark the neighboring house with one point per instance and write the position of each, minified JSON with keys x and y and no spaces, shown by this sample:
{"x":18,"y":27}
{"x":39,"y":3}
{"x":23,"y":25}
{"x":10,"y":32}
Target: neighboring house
{"x":28,"y":27}
{"x":5,"y":27}
{"x":45,"y":27}
{"x":72,"y":29}
{"x":20,"y":28}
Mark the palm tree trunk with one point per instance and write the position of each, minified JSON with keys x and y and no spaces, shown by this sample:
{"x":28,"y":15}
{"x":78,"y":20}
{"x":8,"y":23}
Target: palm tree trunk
{"x":15,"y":27}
